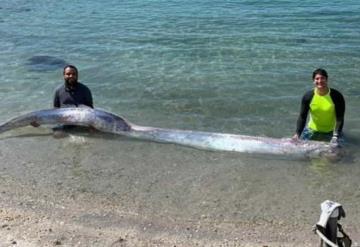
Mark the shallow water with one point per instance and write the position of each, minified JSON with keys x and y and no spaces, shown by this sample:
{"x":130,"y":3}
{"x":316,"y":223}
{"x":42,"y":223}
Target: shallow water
{"x":233,"y":67}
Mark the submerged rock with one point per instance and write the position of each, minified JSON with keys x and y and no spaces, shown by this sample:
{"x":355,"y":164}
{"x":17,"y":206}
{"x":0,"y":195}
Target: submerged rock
{"x":45,"y":63}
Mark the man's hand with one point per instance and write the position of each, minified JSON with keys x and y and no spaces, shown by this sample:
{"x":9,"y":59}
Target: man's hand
{"x":295,"y":138}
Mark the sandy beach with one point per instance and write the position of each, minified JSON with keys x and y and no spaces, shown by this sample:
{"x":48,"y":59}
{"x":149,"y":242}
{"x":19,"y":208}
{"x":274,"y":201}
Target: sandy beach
{"x":30,"y":217}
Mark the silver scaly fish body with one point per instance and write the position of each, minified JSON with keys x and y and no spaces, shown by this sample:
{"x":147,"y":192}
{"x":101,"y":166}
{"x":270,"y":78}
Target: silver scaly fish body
{"x":232,"y":142}
{"x":111,"y":123}
{"x":80,"y":116}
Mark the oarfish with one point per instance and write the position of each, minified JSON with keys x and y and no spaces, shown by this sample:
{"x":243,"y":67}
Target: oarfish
{"x":111,"y":123}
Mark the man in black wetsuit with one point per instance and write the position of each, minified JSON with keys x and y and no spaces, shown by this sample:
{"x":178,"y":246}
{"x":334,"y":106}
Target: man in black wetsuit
{"x":72,"y":93}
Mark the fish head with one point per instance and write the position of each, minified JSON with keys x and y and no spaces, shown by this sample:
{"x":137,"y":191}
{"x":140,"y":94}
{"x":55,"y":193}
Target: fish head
{"x":331,"y":153}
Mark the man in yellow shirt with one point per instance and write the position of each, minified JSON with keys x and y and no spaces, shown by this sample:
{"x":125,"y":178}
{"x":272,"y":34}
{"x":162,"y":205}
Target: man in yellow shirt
{"x":327,"y":109}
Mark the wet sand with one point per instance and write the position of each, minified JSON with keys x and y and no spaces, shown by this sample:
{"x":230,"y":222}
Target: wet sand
{"x":30,"y":218}
{"x":53,"y":193}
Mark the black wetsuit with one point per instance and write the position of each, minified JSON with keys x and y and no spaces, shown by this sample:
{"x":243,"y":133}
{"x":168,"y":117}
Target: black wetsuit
{"x":339,"y":103}
{"x":75,"y":96}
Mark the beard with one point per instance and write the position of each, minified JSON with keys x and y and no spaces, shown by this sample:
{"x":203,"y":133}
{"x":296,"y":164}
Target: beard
{"x":70,"y":82}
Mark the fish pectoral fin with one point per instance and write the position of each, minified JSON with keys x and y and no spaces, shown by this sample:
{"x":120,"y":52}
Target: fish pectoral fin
{"x":35,"y":124}
{"x":92,"y":129}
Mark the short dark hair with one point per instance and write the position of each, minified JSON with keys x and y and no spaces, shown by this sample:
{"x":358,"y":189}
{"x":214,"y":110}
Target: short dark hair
{"x":71,"y":67}
{"x":320,"y":72}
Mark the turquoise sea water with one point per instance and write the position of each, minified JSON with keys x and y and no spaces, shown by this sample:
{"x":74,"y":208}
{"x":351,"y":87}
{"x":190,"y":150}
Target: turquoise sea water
{"x":225,"y":66}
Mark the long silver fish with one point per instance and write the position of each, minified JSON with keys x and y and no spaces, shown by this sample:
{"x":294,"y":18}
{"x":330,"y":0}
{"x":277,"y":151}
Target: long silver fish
{"x":111,"y":123}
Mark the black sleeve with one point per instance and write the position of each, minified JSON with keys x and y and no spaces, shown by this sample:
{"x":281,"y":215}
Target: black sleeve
{"x":339,"y":103}
{"x":56,"y":99}
{"x":304,"y":110}
{"x":89,"y":99}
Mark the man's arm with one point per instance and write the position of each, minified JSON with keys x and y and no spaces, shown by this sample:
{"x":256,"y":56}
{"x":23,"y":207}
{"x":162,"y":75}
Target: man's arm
{"x":89,"y":99}
{"x":304,"y":109}
{"x":339,"y":103}
{"x":56,"y":102}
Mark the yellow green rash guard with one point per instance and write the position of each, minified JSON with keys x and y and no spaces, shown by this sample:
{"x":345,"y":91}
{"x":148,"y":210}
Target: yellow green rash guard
{"x":324,"y":110}
{"x":322,"y":113}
